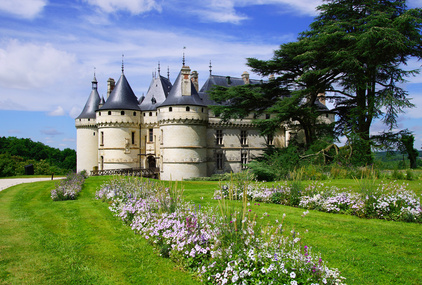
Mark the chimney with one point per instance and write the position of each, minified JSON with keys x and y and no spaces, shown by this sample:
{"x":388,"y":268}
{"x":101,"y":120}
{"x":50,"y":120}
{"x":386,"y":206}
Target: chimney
{"x":102,"y":102}
{"x":229,"y":81}
{"x":245,"y":77}
{"x":321,"y":98}
{"x":186,"y":83}
{"x":194,"y":78}
{"x":110,"y":86}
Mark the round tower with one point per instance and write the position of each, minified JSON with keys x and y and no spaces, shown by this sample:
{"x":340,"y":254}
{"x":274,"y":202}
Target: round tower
{"x":87,"y":132}
{"x":118,"y":122}
{"x":183,"y":119}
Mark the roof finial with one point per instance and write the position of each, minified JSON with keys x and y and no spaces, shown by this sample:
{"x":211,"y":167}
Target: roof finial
{"x":210,"y":68}
{"x":94,"y":71}
{"x":158,"y":69}
{"x":168,"y":73}
{"x":123,"y":65}
{"x":184,"y":56}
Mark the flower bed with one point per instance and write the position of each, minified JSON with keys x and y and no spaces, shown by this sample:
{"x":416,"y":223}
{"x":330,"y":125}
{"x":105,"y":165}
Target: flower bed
{"x":68,"y":188}
{"x":221,"y":245}
{"x":389,"y":201}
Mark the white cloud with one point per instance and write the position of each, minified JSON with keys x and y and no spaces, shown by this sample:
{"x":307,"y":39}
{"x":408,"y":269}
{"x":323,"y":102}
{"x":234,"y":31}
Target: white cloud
{"x":51,"y":132}
{"x":414,"y":113}
{"x":414,"y":3}
{"x":305,"y":7}
{"x":27,"y":9}
{"x":29,"y":65}
{"x":75,"y":111}
{"x":220,"y":11}
{"x":59,"y":111}
{"x":227,"y":11}
{"x":14,"y":131}
{"x":135,"y":7}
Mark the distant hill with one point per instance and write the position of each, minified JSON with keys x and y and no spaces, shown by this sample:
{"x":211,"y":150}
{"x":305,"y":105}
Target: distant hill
{"x":16,"y":153}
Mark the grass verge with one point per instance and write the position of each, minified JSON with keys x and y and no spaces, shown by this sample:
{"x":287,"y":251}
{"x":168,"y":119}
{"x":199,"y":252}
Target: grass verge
{"x":81,"y":242}
{"x":73,"y":242}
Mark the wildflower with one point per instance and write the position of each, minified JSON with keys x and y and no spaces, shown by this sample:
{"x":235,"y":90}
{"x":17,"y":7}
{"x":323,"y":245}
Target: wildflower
{"x":292,"y":274}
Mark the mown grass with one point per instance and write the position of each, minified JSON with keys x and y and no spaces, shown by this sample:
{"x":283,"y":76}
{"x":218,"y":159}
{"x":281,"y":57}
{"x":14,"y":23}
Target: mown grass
{"x":366,"y":251}
{"x":73,"y":242}
{"x":81,"y":242}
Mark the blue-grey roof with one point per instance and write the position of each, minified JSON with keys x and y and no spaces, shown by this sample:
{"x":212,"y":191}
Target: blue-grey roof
{"x":92,"y":104}
{"x":122,"y":97}
{"x":157,"y":93}
{"x":175,"y":96}
{"x":225,"y":81}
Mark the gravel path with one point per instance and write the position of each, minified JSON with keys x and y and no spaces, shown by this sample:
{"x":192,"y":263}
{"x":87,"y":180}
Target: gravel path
{"x":6,"y":183}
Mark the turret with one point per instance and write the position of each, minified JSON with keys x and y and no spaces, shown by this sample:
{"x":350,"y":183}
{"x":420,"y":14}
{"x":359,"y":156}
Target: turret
{"x":183,"y":121}
{"x":87,"y":132}
{"x":118,"y":123}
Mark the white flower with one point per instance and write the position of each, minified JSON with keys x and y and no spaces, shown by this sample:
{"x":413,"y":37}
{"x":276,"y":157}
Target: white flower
{"x":292,"y":274}
{"x":294,"y":282}
{"x":324,"y":280}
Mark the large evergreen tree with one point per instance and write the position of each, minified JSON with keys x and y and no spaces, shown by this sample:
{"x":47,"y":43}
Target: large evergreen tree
{"x":354,"y":52}
{"x":369,"y":43}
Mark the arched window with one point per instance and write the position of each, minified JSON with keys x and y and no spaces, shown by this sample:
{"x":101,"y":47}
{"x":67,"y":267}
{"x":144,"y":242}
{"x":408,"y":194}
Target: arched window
{"x":170,"y":109}
{"x":122,"y":113}
{"x":187,"y":109}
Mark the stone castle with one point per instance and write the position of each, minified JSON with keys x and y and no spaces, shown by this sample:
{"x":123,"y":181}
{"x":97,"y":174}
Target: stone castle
{"x":170,"y":130}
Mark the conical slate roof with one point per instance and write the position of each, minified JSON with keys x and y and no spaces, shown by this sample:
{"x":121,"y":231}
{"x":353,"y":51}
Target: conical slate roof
{"x":122,"y":97}
{"x":175,"y":96}
{"x":92,"y":104}
{"x":157,"y":93}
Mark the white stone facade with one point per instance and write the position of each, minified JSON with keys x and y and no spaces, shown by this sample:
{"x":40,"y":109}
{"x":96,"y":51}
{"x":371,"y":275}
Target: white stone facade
{"x":179,"y":140}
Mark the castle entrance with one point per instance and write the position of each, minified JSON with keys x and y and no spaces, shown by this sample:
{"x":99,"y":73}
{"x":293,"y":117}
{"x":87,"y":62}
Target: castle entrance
{"x":151,"y":162}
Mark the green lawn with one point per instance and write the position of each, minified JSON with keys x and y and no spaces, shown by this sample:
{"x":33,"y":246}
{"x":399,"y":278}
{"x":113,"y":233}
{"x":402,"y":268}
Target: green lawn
{"x":81,"y":242}
{"x":73,"y":242}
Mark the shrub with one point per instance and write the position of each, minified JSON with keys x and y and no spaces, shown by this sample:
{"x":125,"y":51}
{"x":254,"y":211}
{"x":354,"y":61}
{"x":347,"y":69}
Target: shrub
{"x":68,"y":188}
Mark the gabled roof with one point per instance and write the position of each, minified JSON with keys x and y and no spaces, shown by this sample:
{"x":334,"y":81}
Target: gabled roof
{"x":122,"y":97}
{"x":92,"y":104}
{"x":175,"y":96}
{"x":157,"y":93}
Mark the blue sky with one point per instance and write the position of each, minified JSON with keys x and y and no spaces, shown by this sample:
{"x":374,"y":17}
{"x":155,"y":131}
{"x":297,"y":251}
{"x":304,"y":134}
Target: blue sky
{"x":49,"y":49}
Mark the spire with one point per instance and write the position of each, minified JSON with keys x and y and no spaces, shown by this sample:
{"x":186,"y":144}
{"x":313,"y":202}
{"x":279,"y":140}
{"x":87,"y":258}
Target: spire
{"x":158,"y":69}
{"x":123,"y":65}
{"x":94,"y":81}
{"x":210,"y":68}
{"x":168,"y":73}
{"x":183,"y":56}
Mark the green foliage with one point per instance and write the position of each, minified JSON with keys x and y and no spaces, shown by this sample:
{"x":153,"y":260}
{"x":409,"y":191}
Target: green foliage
{"x":16,"y":153}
